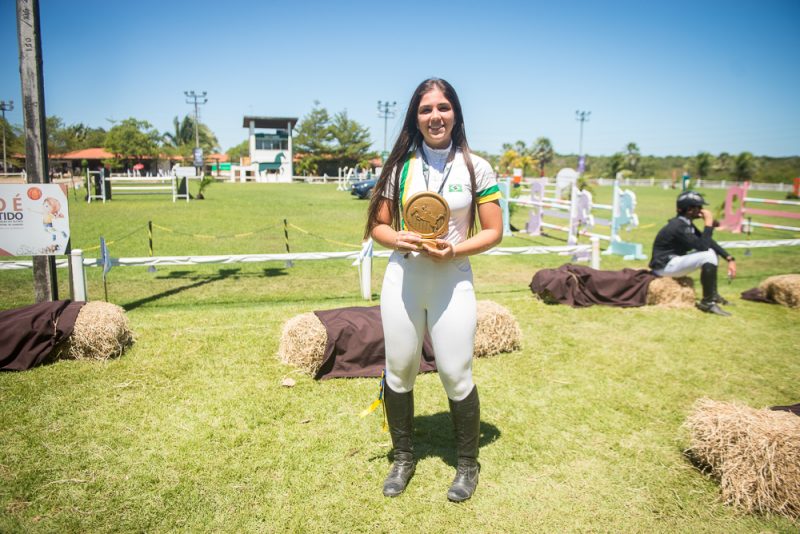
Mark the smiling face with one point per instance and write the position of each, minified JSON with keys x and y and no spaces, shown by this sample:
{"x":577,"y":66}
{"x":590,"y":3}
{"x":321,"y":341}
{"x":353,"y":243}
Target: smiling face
{"x":435,"y":118}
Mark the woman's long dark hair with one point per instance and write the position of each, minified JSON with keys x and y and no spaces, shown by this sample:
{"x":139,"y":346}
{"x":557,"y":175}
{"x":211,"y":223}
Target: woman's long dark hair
{"x":409,"y":140}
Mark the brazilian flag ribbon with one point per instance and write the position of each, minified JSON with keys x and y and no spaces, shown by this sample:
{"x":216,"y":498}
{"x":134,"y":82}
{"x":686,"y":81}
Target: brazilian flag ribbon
{"x":378,"y":402}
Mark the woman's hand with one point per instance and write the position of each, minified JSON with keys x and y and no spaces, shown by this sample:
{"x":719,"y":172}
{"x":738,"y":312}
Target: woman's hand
{"x":441,"y":251}
{"x":406,"y":241}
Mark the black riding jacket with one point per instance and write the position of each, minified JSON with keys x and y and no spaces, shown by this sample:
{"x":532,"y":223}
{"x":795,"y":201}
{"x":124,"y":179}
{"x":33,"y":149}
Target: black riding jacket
{"x":679,"y":237}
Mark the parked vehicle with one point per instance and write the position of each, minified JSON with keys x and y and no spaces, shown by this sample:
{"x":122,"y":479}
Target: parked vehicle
{"x":363,"y":189}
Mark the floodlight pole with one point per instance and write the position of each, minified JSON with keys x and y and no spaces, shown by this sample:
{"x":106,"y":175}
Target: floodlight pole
{"x":386,"y":111}
{"x":581,"y":116}
{"x":5,"y":106}
{"x":45,"y":281}
{"x":195,"y":99}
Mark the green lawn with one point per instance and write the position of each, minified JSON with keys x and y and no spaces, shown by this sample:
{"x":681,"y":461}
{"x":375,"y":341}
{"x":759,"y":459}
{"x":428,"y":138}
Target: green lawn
{"x":191,"y":429}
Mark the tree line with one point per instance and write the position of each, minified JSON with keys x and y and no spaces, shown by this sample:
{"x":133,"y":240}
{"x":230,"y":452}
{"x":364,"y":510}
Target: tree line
{"x":324,"y":143}
{"x":129,"y":140}
{"x":540,"y":159}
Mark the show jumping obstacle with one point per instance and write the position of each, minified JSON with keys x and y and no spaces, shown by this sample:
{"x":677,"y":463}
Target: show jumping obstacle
{"x":738,"y":215}
{"x":577,"y":212}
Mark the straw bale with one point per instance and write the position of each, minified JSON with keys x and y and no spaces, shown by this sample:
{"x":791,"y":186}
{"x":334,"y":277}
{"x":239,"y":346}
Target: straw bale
{"x":303,"y":342}
{"x":101,"y":332}
{"x":755,"y":454}
{"x":671,"y":292}
{"x":783,"y":289}
{"x":497,"y":330}
{"x":303,"y":337}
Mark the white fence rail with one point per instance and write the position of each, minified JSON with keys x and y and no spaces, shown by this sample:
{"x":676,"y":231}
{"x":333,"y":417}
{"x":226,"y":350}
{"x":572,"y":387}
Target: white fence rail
{"x":362,"y":258}
{"x":699,"y":183}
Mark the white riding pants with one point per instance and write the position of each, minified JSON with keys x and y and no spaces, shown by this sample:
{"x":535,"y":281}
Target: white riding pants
{"x":419,"y":293}
{"x":683,"y":265}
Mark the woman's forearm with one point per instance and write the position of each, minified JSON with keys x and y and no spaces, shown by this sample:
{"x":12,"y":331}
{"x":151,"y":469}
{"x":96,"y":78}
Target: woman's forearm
{"x":480,"y":242}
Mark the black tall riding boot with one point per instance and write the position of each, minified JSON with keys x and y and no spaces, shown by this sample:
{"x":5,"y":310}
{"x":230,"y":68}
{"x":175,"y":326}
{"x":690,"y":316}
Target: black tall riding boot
{"x":466,"y":416}
{"x":400,"y":417}
{"x":708,"y":279}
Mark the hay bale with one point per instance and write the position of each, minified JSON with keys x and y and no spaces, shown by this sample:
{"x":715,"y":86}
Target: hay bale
{"x":101,"y":332}
{"x":303,"y":337}
{"x":671,"y":292}
{"x":783,"y":289}
{"x":755,"y":454}
{"x":302,"y":344}
{"x":497,"y":330}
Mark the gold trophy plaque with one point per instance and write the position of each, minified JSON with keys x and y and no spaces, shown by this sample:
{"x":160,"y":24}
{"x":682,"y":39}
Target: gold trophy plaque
{"x":427,"y":214}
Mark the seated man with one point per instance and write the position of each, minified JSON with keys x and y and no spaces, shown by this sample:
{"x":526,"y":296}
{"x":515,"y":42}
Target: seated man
{"x":672,"y":246}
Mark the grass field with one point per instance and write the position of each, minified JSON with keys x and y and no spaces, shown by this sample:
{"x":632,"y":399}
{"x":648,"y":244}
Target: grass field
{"x":191,"y":429}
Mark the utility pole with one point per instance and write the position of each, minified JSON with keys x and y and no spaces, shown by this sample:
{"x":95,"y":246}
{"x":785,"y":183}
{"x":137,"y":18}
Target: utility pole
{"x":5,"y":106}
{"x":45,"y":281}
{"x":386,"y":111}
{"x":581,"y":116}
{"x":196,"y":100}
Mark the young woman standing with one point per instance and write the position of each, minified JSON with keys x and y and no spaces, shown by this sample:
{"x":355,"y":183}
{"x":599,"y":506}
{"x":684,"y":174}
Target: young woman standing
{"x":428,"y":283}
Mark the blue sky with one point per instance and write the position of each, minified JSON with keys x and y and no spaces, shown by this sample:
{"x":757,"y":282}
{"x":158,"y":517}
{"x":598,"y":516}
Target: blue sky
{"x":675,"y":77}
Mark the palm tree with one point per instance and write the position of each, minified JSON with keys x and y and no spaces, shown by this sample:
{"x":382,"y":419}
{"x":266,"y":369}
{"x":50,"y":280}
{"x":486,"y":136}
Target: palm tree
{"x":543,"y":153}
{"x":615,"y":164}
{"x":632,"y":156}
{"x":744,"y":166}
{"x":702,"y":164}
{"x":183,"y":140}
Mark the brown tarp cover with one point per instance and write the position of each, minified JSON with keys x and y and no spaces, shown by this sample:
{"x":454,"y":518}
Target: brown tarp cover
{"x":581,"y":286}
{"x":355,"y":344}
{"x":757,"y":295}
{"x":28,"y":335}
{"x":792,"y":408}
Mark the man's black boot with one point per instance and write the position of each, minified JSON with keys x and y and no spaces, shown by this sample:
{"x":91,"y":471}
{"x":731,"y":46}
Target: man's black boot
{"x":466,"y":416}
{"x":708,"y":279}
{"x":400,"y":417}
{"x":722,"y":301}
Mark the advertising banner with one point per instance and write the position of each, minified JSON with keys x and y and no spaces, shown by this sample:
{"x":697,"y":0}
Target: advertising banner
{"x":34,"y":220}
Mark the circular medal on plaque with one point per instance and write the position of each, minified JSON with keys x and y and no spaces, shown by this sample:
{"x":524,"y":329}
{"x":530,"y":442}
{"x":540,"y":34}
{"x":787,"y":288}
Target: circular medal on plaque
{"x":428,"y":214}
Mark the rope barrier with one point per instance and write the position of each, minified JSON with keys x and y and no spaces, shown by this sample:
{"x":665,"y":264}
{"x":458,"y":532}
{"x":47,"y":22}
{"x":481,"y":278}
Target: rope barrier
{"x":111,"y":242}
{"x":207,"y":236}
{"x":324,"y":238}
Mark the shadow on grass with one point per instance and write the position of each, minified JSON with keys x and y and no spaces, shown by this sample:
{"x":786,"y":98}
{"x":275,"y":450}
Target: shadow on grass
{"x":200,"y":280}
{"x":434,"y":437}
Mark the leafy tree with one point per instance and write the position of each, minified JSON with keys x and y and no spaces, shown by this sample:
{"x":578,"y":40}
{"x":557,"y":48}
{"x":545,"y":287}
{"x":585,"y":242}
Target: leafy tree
{"x":543,"y":153}
{"x":15,"y":143}
{"x":351,"y":141}
{"x":313,"y":132}
{"x":313,"y":139}
{"x":57,"y":139}
{"x":326,"y":144}
{"x":235,"y":153}
{"x":723,"y":162}
{"x":702,"y":164}
{"x":744,"y":167}
{"x":62,"y":138}
{"x":133,"y":139}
